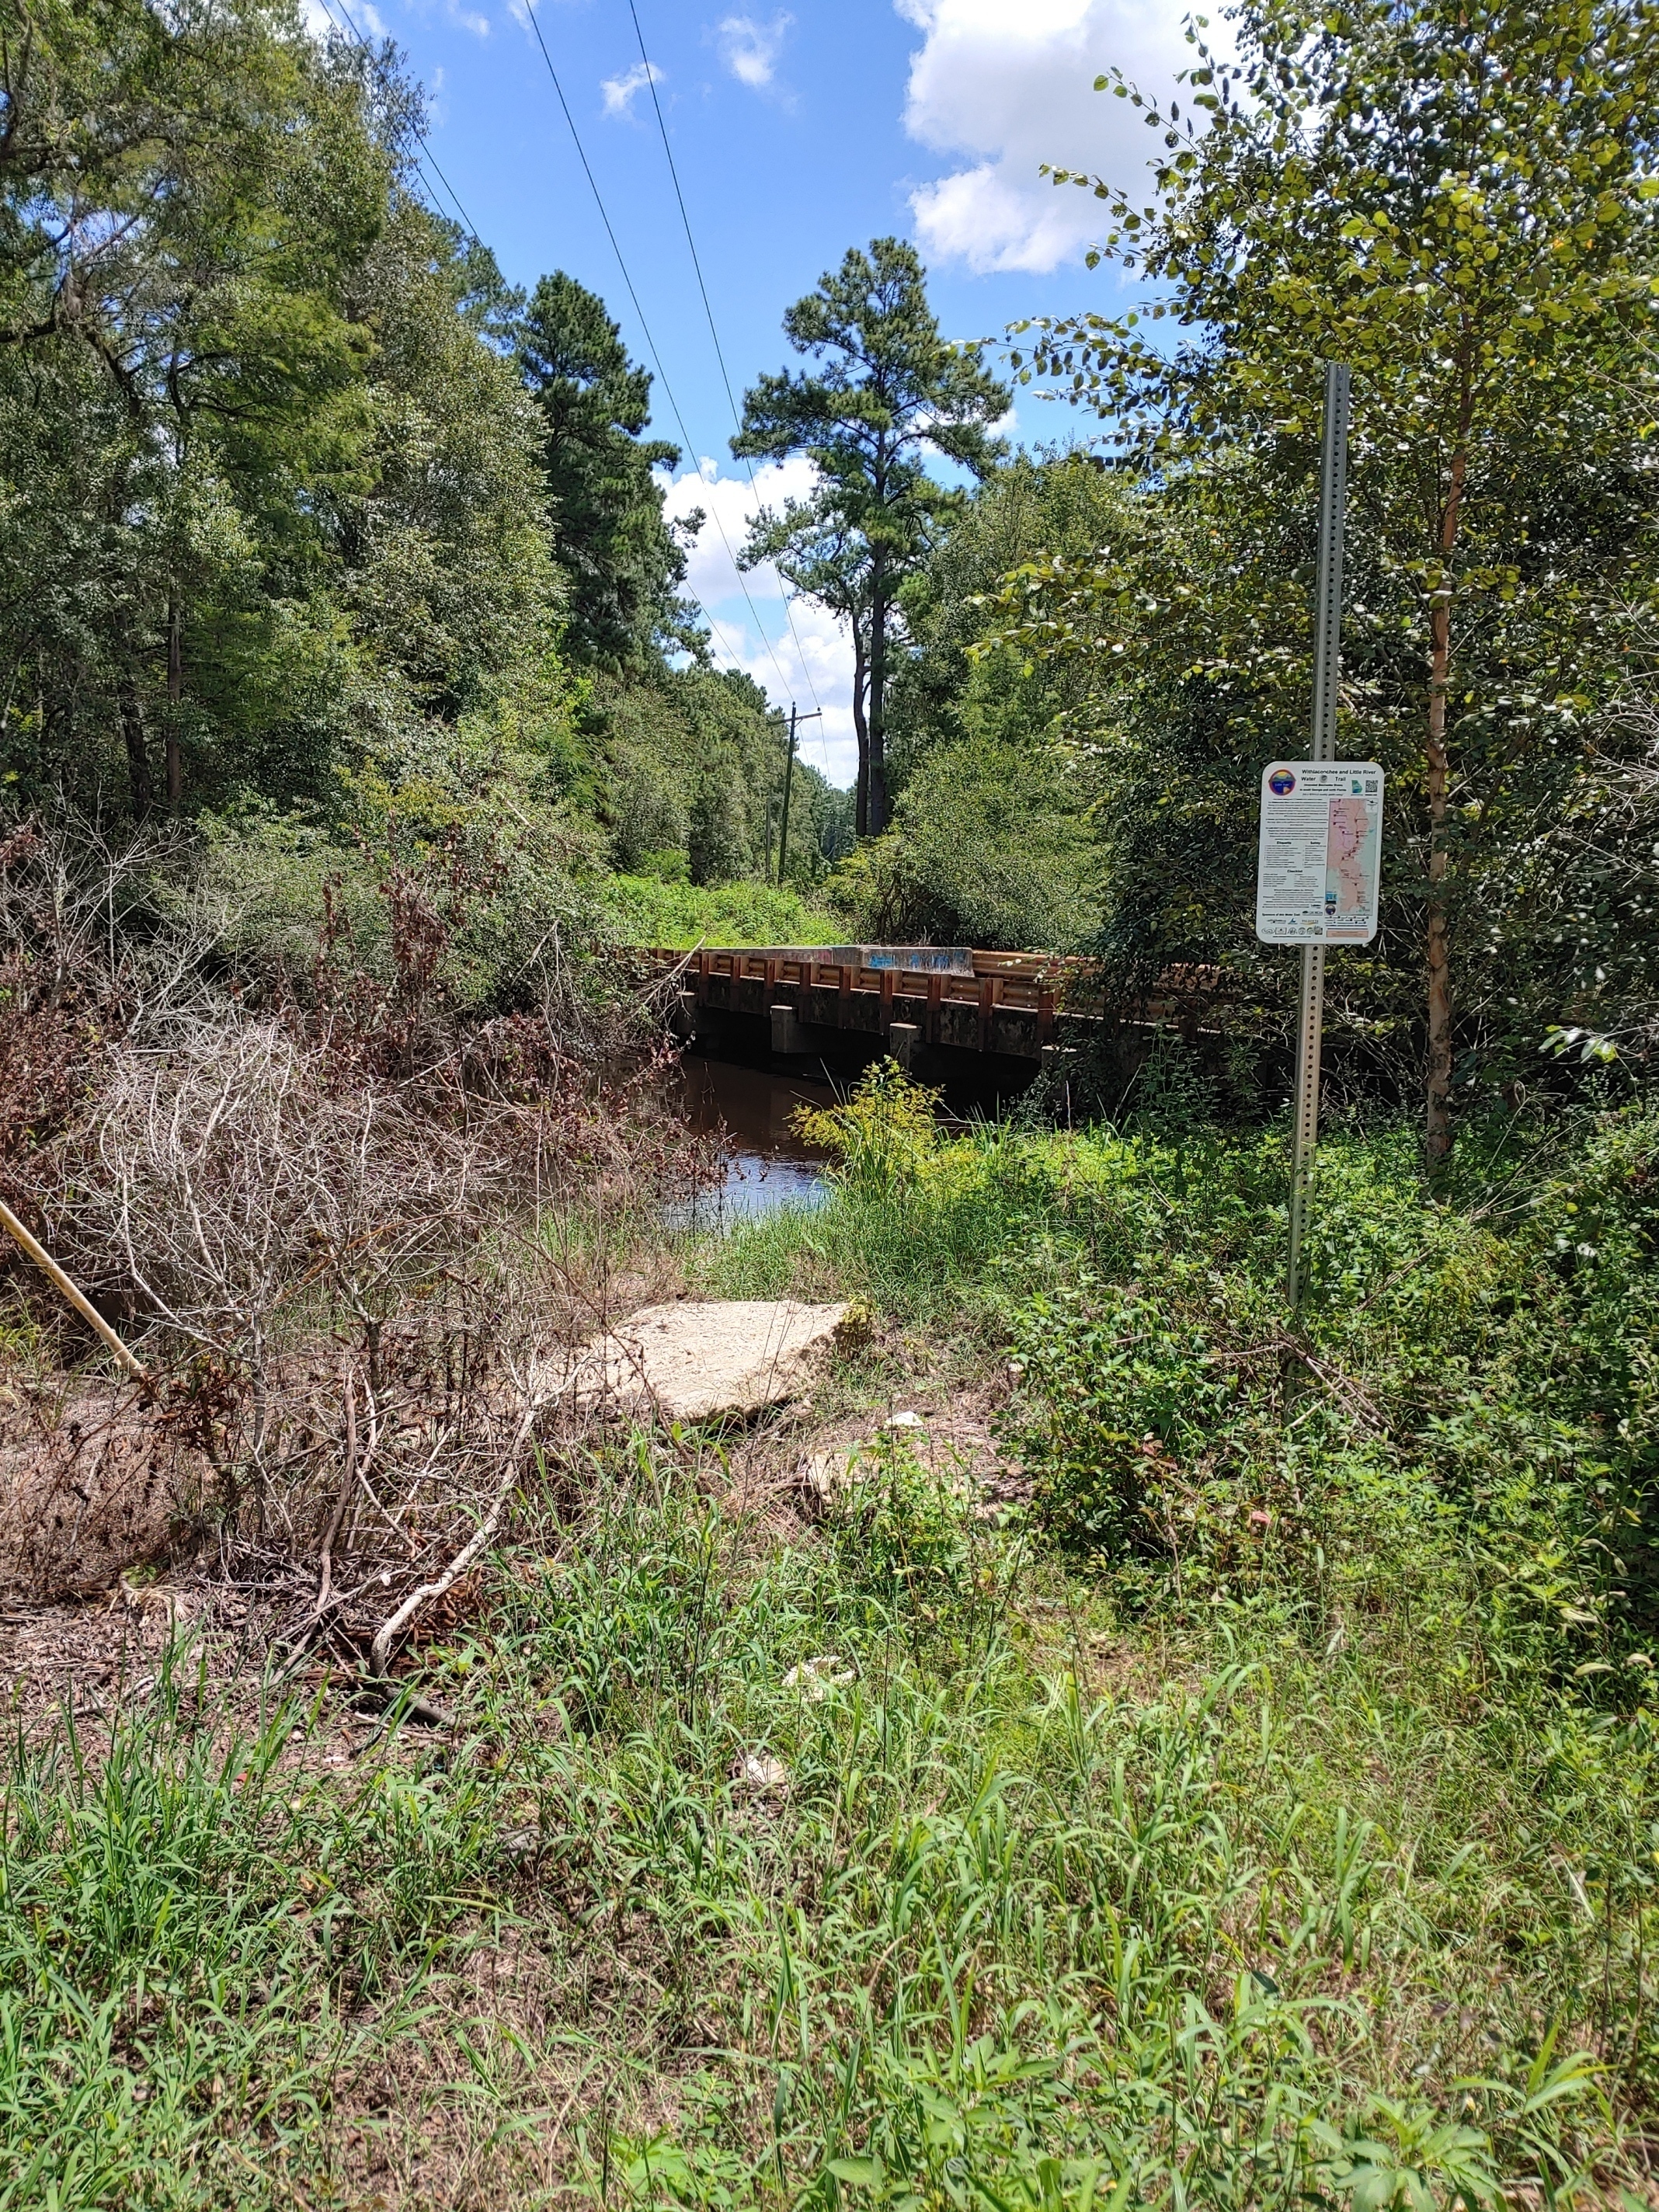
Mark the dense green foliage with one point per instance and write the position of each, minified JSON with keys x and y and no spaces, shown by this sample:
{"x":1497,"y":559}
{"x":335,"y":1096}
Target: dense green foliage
{"x":664,"y":911}
{"x":309,"y":519}
{"x":694,"y":760}
{"x":998,"y":834}
{"x":619,"y":559}
{"x":1461,"y":203}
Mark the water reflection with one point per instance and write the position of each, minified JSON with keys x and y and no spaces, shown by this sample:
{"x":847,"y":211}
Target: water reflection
{"x":767,"y":1164}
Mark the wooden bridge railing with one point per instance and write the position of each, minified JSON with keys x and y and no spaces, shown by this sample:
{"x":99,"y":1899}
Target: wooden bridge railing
{"x":1005,"y":1002}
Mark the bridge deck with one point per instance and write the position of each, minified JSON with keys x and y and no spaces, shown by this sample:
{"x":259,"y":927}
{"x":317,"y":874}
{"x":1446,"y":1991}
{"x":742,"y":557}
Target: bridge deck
{"x":999,"y":1002}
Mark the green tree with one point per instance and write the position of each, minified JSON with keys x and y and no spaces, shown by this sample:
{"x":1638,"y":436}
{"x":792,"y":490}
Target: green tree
{"x":623,"y":560}
{"x":1459,"y":200}
{"x":889,"y":391}
{"x":270,"y":488}
{"x":182,"y":195}
{"x":446,"y":559}
{"x":827,"y":560}
{"x":948,"y":688}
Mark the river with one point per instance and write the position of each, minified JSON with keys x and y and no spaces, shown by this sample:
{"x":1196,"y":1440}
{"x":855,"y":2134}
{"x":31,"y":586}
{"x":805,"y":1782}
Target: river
{"x":767,"y":1164}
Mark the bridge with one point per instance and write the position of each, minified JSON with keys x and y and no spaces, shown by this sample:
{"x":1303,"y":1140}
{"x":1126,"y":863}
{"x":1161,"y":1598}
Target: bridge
{"x":854,"y":1001}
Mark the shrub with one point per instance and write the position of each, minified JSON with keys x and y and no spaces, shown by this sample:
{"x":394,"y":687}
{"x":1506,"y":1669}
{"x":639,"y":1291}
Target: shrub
{"x":885,"y":1135}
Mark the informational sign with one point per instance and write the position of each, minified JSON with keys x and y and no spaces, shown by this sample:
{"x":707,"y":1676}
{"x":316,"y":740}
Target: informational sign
{"x":1320,"y":862}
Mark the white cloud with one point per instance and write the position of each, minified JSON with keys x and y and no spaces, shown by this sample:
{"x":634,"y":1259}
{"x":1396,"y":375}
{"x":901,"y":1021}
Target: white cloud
{"x":750,"y":50}
{"x":619,"y":91}
{"x":1012,"y":88}
{"x":821,"y":662}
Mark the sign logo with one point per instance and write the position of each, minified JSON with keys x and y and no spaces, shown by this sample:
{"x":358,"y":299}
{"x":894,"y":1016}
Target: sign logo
{"x":1281,"y":783}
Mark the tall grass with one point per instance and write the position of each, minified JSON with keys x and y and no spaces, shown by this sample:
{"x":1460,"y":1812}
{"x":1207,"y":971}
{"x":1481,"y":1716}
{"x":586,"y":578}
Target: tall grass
{"x":192,"y":1938}
{"x":1019,"y":1910}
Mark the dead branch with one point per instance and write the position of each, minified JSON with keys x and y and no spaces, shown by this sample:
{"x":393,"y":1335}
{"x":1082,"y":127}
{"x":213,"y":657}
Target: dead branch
{"x":423,"y":1594}
{"x":347,"y":1477}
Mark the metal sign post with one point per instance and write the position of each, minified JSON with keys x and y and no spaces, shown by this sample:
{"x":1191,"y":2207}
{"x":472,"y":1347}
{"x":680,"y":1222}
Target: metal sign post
{"x":1328,"y":637}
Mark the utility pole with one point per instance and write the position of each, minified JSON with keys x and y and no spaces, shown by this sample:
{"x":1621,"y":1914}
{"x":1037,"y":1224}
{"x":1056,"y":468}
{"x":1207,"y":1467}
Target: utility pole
{"x":1328,"y":640}
{"x":788,"y":778}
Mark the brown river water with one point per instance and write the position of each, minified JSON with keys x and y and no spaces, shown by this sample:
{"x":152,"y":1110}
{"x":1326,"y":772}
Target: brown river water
{"x":769,"y":1164}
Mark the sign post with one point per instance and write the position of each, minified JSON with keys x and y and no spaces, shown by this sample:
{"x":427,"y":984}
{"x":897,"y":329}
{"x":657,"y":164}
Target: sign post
{"x":1319,"y":868}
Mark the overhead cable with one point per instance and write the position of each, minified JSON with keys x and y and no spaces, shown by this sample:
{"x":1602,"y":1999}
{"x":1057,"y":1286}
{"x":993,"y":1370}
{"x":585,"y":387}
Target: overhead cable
{"x":651,"y":345}
{"x":378,"y":67}
{"x":719,"y":354}
{"x":468,"y":225}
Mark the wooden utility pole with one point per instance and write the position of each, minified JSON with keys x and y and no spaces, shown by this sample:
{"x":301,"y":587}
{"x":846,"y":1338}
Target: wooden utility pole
{"x":788,"y":778}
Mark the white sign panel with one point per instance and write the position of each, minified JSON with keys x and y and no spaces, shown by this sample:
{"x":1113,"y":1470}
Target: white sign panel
{"x":1320,"y":862}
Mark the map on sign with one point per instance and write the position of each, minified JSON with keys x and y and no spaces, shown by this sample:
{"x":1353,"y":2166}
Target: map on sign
{"x":1320,"y":862}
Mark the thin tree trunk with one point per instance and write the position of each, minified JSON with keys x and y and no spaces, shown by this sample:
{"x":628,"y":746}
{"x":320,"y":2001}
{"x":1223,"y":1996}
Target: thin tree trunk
{"x":879,"y":604}
{"x":861,"y":727}
{"x":175,"y":692}
{"x":1437,"y":1134}
{"x":138,"y":744}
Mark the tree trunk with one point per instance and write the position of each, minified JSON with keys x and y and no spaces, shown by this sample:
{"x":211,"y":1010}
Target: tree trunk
{"x":879,"y":605}
{"x":137,"y":746}
{"x":1437,"y":1134}
{"x":175,"y":691}
{"x":861,"y":727}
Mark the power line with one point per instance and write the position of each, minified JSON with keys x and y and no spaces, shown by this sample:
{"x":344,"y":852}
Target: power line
{"x":674,"y":174}
{"x":467,"y":223}
{"x":651,"y":346}
{"x":471,"y":228}
{"x":719,"y":354}
{"x":650,"y":343}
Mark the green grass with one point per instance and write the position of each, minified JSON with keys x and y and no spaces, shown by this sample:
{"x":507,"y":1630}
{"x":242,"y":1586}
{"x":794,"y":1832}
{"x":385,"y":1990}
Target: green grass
{"x":644,"y":910}
{"x":197,"y":1949}
{"x":1269,"y":1817}
{"x":1039,"y":1911}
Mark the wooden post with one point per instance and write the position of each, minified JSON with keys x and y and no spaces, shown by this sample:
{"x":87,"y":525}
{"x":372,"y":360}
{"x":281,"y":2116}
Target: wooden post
{"x":82,"y":1304}
{"x":888,"y":979}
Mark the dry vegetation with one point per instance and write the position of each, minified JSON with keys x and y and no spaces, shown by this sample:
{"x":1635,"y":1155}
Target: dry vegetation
{"x":354,"y":1240}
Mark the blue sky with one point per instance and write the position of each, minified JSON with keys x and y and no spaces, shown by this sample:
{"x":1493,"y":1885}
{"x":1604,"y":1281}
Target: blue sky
{"x":797,"y":131}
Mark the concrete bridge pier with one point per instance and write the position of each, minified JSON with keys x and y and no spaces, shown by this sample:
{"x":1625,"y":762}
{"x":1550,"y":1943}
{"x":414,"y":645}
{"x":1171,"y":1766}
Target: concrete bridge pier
{"x":789,"y":1035}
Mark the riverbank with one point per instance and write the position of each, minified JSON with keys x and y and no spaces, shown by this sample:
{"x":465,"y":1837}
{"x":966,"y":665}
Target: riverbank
{"x":1194,"y":1758}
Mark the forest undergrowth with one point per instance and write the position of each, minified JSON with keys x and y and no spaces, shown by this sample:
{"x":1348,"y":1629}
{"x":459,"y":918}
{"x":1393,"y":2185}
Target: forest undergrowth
{"x":1263,"y":1812}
